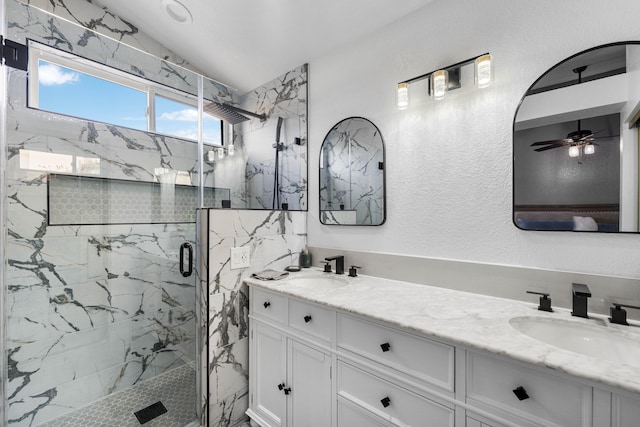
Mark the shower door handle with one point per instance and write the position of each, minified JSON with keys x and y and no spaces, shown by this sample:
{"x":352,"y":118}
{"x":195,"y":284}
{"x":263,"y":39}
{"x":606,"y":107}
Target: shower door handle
{"x":189,"y":248}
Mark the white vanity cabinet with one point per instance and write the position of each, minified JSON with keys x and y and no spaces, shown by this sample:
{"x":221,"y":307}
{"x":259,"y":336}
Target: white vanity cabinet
{"x":339,"y":369}
{"x":290,"y":376}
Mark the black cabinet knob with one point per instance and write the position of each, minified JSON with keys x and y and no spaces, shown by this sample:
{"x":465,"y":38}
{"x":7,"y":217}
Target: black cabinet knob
{"x":385,"y":347}
{"x":266,"y":304}
{"x":287,"y":391}
{"x":307,"y":319}
{"x":521,"y":393}
{"x":386,"y":402}
{"x":280,"y":386}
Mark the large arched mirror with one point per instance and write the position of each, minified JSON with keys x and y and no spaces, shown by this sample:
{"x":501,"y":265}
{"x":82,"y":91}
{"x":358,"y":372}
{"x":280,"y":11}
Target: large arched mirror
{"x":575,"y":144}
{"x":352,"y":182}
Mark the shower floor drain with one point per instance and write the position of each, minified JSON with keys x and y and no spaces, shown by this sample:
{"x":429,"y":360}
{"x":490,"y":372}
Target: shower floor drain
{"x":150,"y":412}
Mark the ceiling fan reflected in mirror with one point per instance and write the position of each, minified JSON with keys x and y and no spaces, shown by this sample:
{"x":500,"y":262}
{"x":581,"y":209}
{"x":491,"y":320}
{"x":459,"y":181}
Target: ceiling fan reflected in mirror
{"x":579,"y":142}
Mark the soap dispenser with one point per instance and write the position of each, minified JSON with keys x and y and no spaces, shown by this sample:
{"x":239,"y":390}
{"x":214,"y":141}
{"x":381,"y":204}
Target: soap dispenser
{"x":305,"y":258}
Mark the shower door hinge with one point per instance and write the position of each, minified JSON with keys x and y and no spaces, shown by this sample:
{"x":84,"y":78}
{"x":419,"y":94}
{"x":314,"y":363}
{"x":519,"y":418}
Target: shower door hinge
{"x":14,"y":55}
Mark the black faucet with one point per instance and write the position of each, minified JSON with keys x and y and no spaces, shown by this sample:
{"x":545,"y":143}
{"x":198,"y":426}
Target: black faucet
{"x":580,"y":294}
{"x":339,"y":259}
{"x":619,"y":314}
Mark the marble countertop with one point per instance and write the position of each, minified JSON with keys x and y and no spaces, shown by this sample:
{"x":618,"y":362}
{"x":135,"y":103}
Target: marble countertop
{"x":471,"y":320}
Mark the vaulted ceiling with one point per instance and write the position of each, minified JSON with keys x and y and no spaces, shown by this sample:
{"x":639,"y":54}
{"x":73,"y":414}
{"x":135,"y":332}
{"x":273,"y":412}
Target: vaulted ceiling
{"x":244,"y":43}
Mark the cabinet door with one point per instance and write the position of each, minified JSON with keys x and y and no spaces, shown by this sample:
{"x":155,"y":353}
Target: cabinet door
{"x":268,"y":350}
{"x":310,"y":381}
{"x":626,"y":411}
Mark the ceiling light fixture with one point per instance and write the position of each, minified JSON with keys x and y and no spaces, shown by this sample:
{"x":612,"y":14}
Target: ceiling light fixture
{"x":574,"y":151}
{"x":177,"y":11}
{"x":448,"y":78}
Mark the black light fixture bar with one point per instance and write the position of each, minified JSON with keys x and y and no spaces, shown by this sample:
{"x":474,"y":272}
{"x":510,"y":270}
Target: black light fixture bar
{"x":449,"y":69}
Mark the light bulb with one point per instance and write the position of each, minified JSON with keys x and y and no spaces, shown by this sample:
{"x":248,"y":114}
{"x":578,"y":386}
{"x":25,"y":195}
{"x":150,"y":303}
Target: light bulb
{"x":402,"y":99}
{"x":589,"y":149}
{"x":439,"y":83}
{"x":483,"y":70}
{"x":231,"y":150}
{"x":221,"y":153}
{"x":574,"y":151}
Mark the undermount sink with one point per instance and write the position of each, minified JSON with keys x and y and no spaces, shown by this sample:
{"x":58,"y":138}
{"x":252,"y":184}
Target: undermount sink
{"x":592,"y":340}
{"x":316,"y":282}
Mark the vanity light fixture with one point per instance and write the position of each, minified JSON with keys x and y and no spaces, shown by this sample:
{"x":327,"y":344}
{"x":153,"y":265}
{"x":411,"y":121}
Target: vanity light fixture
{"x":483,"y":68}
{"x":231,"y":150}
{"x":211,"y":156}
{"x":448,"y":78}
{"x":439,"y":81}
{"x":402,"y":99}
{"x":221,"y":153}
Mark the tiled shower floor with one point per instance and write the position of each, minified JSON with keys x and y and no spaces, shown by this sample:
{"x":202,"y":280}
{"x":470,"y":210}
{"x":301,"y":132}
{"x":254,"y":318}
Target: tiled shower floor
{"x":175,"y":389}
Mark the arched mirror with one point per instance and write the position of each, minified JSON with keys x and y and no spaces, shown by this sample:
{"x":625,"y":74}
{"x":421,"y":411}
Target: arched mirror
{"x":352,"y":182}
{"x":575,"y":144}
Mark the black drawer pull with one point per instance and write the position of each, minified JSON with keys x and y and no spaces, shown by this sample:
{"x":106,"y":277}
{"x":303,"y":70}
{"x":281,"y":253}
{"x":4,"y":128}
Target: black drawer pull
{"x":280,"y":386}
{"x":307,"y":319}
{"x":266,"y":304}
{"x":386,"y":402}
{"x":521,"y":393}
{"x":385,"y":347}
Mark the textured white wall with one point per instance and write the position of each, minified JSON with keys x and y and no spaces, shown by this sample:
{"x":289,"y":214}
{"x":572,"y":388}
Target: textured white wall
{"x":449,"y":162}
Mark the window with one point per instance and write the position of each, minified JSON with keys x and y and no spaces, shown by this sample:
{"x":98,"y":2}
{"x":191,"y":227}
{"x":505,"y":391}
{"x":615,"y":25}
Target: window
{"x":63,"y":83}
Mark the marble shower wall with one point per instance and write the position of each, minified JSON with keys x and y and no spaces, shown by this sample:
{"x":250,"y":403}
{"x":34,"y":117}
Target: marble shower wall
{"x":284,"y":97}
{"x":90,"y":309}
{"x":275,"y":239}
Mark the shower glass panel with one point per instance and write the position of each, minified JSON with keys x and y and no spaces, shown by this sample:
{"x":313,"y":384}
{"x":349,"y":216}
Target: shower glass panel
{"x":101,"y":296}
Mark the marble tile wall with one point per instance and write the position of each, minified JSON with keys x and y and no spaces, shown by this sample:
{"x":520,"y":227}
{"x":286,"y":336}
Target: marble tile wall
{"x":285,"y":97}
{"x":90,"y":309}
{"x":275,"y":239}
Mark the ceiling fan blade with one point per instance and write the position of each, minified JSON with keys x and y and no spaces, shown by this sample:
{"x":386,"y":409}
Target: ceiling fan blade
{"x":553,"y":141}
{"x":548,"y":147}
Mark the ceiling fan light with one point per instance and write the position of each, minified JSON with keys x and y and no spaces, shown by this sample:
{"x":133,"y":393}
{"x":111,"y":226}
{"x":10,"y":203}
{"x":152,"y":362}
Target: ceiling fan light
{"x":589,"y":149}
{"x":574,"y":151}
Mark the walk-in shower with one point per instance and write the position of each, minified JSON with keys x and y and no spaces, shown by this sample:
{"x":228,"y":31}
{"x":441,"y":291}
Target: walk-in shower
{"x":109,"y":315}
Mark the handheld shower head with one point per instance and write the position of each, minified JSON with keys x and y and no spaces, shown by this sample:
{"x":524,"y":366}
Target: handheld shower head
{"x":280,"y":120}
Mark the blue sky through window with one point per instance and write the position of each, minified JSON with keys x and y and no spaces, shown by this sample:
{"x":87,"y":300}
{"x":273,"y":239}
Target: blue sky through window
{"x":77,"y":94}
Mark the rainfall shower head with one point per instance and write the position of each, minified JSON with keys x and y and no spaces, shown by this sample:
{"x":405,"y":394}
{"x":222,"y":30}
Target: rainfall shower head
{"x":230,"y":114}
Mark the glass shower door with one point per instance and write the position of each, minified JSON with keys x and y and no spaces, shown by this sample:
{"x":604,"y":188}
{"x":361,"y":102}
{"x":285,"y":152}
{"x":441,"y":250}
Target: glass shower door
{"x":102,"y":307}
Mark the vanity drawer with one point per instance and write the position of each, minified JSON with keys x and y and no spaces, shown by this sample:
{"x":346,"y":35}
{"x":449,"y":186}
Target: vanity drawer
{"x":552,"y":400}
{"x":419,"y":357}
{"x":269,"y":305}
{"x":312,"y":319}
{"x":390,"y":401}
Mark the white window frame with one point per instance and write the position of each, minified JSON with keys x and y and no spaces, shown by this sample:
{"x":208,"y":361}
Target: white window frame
{"x":64,"y":59}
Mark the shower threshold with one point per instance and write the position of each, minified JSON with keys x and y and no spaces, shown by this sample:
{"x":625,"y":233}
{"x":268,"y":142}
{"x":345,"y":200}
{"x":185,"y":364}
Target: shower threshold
{"x":175,"y":389}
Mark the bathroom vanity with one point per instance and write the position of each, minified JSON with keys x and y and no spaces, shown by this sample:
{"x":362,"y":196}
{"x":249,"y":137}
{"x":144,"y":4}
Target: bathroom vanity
{"x":330,"y":350}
